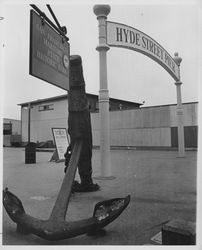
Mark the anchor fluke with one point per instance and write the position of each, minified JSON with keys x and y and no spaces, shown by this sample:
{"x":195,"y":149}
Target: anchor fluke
{"x":104,"y":213}
{"x":13,"y":205}
{"x":108,"y":209}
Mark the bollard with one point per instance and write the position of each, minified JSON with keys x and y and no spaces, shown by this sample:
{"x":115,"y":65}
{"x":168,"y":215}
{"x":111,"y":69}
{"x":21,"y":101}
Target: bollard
{"x":30,"y":153}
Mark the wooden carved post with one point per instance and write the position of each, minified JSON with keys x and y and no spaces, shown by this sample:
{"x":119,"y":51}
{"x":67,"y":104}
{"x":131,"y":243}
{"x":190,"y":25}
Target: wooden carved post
{"x":79,"y":125}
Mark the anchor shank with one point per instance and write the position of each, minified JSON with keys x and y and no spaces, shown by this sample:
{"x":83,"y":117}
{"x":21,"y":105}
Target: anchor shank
{"x":77,"y":129}
{"x":61,"y":204}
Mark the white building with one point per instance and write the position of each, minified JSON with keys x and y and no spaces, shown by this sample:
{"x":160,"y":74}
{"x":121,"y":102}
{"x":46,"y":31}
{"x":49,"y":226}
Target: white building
{"x":130,"y":125}
{"x":49,"y":113}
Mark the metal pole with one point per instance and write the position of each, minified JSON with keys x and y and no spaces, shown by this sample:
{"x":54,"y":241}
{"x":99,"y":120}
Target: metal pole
{"x":29,"y":115}
{"x":42,"y":14}
{"x":180,"y":113}
{"x":101,"y":11}
{"x":180,"y":121}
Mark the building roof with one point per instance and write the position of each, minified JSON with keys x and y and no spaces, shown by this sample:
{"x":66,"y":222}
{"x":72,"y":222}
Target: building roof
{"x":61,"y":97}
{"x":10,"y":119}
{"x":168,"y":105}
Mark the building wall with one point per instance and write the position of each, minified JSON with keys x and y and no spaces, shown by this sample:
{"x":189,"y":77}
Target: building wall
{"x":42,"y":122}
{"x":16,"y":130}
{"x":149,"y":126}
{"x":16,"y":125}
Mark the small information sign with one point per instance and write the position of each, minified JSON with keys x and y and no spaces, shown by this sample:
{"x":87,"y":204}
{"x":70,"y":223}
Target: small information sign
{"x":49,"y":53}
{"x":61,"y":141}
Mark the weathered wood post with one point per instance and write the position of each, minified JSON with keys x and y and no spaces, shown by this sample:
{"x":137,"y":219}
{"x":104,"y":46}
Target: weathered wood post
{"x":79,"y":125}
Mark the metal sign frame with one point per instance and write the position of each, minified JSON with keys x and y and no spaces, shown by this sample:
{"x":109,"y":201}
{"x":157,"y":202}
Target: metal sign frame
{"x":49,"y":53}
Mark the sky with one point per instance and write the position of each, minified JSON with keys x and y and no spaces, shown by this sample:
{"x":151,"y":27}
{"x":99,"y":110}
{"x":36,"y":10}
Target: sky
{"x":132,"y":76}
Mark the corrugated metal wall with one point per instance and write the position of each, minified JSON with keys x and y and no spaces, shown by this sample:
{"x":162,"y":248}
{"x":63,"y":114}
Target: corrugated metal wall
{"x":144,"y":127}
{"x":149,"y":126}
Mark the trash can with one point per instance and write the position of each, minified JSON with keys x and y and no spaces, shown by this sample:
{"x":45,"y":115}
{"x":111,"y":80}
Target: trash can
{"x":30,"y":153}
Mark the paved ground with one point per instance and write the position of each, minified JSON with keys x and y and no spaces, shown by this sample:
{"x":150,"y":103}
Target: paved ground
{"x":162,"y":187}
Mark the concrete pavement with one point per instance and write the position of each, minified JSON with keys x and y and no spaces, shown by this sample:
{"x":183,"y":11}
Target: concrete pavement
{"x":162,"y":187}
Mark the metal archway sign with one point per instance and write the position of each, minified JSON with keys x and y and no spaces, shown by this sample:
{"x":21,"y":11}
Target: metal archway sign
{"x":113,"y":34}
{"x":124,"y":36}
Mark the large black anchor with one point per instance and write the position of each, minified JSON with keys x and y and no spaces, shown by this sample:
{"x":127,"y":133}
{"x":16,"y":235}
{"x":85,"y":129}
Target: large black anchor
{"x":56,"y":227}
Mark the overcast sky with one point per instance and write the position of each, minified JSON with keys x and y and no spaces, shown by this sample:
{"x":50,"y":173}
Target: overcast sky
{"x":131,"y":75}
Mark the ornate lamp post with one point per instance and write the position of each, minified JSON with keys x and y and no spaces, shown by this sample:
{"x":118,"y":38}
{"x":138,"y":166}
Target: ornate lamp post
{"x":101,"y":11}
{"x":180,"y":112}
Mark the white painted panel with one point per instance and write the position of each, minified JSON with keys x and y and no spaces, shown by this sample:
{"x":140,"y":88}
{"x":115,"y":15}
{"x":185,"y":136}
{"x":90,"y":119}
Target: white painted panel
{"x":95,"y":122}
{"x":141,"y":137}
{"x":164,"y":116}
{"x":165,"y":137}
{"x":173,"y":116}
{"x":190,"y":115}
{"x":96,"y":137}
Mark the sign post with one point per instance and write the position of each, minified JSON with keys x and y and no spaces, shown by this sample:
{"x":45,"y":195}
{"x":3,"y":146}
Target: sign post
{"x":29,"y":121}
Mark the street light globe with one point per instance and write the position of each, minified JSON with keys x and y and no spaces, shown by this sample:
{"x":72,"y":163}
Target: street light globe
{"x":177,"y":59}
{"x":101,"y":9}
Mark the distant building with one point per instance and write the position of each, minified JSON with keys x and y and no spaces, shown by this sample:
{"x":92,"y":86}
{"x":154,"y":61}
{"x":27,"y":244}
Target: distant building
{"x":11,"y":132}
{"x":130,"y":125}
{"x":53,"y":112}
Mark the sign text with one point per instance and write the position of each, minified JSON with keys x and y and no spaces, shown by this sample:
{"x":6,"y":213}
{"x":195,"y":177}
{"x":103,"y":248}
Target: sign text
{"x":120,"y":35}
